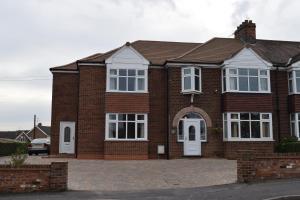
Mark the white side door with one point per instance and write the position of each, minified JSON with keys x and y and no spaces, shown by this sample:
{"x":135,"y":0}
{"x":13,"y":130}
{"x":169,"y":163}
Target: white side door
{"x":67,"y":137}
{"x":192,"y":143}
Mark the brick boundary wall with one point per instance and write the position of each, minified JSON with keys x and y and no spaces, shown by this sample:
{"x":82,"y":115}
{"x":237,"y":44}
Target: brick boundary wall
{"x":255,"y":167}
{"x":34,"y":178}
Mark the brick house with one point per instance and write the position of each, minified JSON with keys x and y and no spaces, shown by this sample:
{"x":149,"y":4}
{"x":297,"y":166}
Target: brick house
{"x":150,"y":99}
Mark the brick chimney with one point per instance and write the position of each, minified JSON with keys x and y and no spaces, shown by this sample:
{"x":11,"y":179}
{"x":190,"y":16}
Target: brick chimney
{"x":246,"y":32}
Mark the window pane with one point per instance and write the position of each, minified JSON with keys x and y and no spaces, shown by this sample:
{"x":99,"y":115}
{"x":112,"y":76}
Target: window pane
{"x":293,"y":117}
{"x":122,"y":130}
{"x":291,"y":85}
{"x":187,"y":83}
{"x":255,"y":129}
{"x":265,"y":116}
{"x":141,"y":84}
{"x":297,"y":73}
{"x":131,"y":130}
{"x":265,"y":129}
{"x":253,"y":83}
{"x":202,"y":130}
{"x":232,"y":71}
{"x":264,"y":84}
{"x":243,"y":83}
{"x":131,"y":117}
{"x":131,"y":84}
{"x":192,"y":133}
{"x":112,"y":116}
{"x":225,"y":130}
{"x":113,"y":83}
{"x":141,"y":130}
{"x":196,"y":71}
{"x":131,"y":72}
{"x":122,"y":83}
{"x":244,"y":116}
{"x":234,"y":116}
{"x":180,"y":130}
{"x":67,"y":134}
{"x":234,"y":129}
{"x":187,"y":71}
{"x":298,"y":84}
{"x":140,"y":117}
{"x":255,"y":116}
{"x":112,"y":130}
{"x":293,"y":129}
{"x":197,"y":83}
{"x":113,"y":72}
{"x":245,"y":129}
{"x":263,"y":72}
{"x":224,"y":83}
{"x":243,"y":71}
{"x":122,"y":72}
{"x":290,"y":74}
{"x":141,"y":72}
{"x":253,"y":72}
{"x":233,"y":83}
{"x":122,"y":117}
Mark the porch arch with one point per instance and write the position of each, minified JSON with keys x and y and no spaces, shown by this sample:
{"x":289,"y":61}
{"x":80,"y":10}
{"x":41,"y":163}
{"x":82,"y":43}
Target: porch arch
{"x":186,"y":110}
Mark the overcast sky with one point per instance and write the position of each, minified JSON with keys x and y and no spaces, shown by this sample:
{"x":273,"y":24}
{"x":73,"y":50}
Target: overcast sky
{"x":38,"y":34}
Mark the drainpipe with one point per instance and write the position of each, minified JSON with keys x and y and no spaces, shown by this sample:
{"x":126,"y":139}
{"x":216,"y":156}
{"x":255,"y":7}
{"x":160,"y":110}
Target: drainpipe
{"x":168,"y":116}
{"x":277,"y":104}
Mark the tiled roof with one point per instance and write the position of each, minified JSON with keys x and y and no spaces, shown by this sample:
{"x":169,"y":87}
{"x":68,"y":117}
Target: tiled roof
{"x":46,"y":129}
{"x":10,"y":134}
{"x":214,"y":51}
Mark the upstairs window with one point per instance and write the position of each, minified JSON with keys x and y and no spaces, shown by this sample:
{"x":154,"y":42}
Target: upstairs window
{"x":294,"y":81}
{"x":246,"y":80}
{"x":127,"y":80}
{"x":191,"y":79}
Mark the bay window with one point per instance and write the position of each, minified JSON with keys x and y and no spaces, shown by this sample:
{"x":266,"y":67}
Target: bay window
{"x":126,"y":126}
{"x":246,"y":80}
{"x":295,"y":124}
{"x":294,"y":81}
{"x":191,"y":79}
{"x":127,"y":80}
{"x":247,"y":126}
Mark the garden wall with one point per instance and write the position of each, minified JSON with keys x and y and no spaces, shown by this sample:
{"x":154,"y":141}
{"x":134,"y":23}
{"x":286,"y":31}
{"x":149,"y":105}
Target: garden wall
{"x":31,"y":178}
{"x":253,"y":167}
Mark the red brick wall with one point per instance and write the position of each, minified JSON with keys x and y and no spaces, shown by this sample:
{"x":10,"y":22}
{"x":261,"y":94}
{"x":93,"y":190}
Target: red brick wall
{"x":231,"y":148}
{"x":127,"y":103}
{"x":253,"y":167}
{"x":64,"y":104}
{"x":31,"y":178}
{"x":294,"y":103}
{"x":91,"y":114}
{"x":209,"y":101}
{"x":136,"y":150}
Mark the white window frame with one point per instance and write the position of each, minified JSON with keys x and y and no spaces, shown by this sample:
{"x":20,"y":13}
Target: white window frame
{"x":192,"y":75}
{"x":145,"y":121}
{"x":227,"y":76}
{"x":145,"y":76}
{"x":293,"y":78}
{"x":296,"y":122}
{"x":229,"y":120}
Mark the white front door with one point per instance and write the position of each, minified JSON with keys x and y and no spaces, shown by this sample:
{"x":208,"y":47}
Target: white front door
{"x":67,"y":137}
{"x":192,"y":143}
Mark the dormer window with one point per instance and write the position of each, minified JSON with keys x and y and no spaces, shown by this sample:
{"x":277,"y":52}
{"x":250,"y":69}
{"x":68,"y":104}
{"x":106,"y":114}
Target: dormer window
{"x":246,"y":80}
{"x":191,"y":80}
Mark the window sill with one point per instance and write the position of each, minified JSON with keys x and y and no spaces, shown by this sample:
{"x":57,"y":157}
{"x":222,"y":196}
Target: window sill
{"x":294,"y":93}
{"x":249,"y":140}
{"x":129,"y":92}
{"x":247,"y":92}
{"x":125,"y":140}
{"x":202,"y":141}
{"x":191,"y":92}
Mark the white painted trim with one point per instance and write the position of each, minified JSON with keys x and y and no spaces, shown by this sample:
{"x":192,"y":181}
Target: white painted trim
{"x":65,"y":71}
{"x":23,"y":132}
{"x":191,"y":64}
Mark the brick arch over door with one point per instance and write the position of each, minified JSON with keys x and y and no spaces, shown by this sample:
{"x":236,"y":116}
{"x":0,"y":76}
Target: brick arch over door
{"x":187,"y":110}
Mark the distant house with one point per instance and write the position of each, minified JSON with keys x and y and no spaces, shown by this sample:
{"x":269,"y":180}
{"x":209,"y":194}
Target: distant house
{"x":19,"y":135}
{"x":39,"y":131}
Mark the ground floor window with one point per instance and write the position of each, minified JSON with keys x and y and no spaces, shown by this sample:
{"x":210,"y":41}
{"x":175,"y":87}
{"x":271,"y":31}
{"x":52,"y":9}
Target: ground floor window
{"x":120,"y":126}
{"x":247,"y":126}
{"x":295,"y":124}
{"x":203,"y":129}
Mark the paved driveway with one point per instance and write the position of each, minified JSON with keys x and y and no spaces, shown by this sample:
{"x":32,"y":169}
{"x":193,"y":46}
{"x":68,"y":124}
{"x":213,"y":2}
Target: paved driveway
{"x":103,"y":175}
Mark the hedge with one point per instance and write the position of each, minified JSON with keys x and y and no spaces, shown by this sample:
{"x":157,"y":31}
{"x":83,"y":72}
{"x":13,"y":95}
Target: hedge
{"x":8,"y":148}
{"x":290,"y":147}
